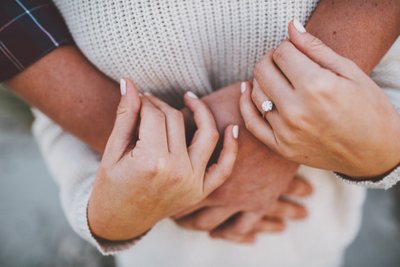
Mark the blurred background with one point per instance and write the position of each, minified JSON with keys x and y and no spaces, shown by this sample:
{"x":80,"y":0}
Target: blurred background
{"x":34,"y":231}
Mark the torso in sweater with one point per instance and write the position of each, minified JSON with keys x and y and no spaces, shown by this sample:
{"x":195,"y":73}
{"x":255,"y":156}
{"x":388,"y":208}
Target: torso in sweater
{"x":168,"y":47}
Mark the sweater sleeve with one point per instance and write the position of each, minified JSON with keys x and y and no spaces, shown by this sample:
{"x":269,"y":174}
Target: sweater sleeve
{"x":73,"y":166}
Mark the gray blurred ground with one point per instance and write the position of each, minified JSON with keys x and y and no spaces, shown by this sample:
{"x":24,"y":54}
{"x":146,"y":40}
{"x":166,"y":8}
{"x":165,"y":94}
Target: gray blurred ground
{"x":34,"y":232}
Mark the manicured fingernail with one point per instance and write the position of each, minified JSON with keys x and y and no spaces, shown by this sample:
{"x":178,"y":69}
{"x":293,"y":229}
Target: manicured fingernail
{"x":140,"y":94}
{"x":122,"y":86}
{"x":299,"y":27}
{"x":243,"y":87}
{"x":147,"y":93}
{"x":192,"y":95}
{"x":235,"y":131}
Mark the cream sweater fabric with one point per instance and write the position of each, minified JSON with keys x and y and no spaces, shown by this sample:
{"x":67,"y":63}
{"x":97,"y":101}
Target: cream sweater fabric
{"x":170,"y":46}
{"x":167,"y":47}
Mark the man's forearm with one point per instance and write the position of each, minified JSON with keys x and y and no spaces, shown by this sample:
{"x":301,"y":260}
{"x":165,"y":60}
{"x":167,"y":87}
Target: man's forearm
{"x":362,"y":30}
{"x":71,"y":91}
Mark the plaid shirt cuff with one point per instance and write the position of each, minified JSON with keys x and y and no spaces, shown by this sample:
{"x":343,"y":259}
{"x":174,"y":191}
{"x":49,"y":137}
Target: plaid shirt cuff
{"x":29,"y":29}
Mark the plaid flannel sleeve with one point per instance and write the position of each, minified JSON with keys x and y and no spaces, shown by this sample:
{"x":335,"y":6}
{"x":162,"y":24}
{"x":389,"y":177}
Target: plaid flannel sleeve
{"x":29,"y":29}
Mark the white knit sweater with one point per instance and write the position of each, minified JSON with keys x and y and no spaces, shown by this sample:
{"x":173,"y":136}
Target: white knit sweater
{"x":167,"y":47}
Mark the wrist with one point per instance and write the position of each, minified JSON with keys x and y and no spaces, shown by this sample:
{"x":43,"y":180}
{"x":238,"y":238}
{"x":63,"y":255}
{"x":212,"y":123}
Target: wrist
{"x":112,"y":219}
{"x":224,"y":105}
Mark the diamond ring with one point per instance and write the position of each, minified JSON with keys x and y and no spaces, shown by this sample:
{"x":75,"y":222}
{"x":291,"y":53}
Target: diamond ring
{"x":267,"y":106}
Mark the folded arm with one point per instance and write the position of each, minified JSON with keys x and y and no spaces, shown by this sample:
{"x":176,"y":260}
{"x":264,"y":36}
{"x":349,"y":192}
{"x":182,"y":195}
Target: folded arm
{"x":71,"y":91}
{"x":64,"y":80}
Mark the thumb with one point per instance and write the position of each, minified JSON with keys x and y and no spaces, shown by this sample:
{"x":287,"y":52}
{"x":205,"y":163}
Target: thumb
{"x":317,"y":50}
{"x":125,"y":121}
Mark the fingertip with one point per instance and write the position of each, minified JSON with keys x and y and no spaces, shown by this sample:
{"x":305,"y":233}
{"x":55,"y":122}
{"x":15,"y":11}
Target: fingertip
{"x":243,"y":87}
{"x":129,"y":89}
{"x":250,"y":239}
{"x":231,"y":136}
{"x":298,"y":26}
{"x":244,"y":94}
{"x":245,"y":102}
{"x":307,"y":191}
{"x":296,"y":30}
{"x":235,"y":131}
{"x":303,"y":214}
{"x":122,"y":86}
{"x":281,"y":227}
{"x":191,"y":95}
{"x":190,"y":99}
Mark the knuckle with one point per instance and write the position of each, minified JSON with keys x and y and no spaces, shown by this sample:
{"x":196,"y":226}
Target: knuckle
{"x":225,"y":172}
{"x":122,"y":110}
{"x":257,"y":71}
{"x":221,"y":197}
{"x":287,"y":152}
{"x":178,"y":176}
{"x":297,"y":119}
{"x":259,"y":65}
{"x":156,"y":167}
{"x":250,"y":124}
{"x":108,"y":173}
{"x":280,"y":228}
{"x":320,"y":85}
{"x":350,"y":64}
{"x":317,"y":82}
{"x":315,"y":43}
{"x":174,"y":112}
{"x":159,"y":114}
{"x":213,"y":135}
{"x":178,"y":115}
{"x":286,"y":138}
{"x":202,"y":223}
{"x":281,"y":52}
{"x":254,"y":97}
{"x":238,"y":229}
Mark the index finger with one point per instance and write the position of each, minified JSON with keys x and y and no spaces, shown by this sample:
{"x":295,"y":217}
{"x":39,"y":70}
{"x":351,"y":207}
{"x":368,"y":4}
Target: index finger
{"x":152,"y":130}
{"x":272,"y":82}
{"x":206,"y":137}
{"x":296,"y":66}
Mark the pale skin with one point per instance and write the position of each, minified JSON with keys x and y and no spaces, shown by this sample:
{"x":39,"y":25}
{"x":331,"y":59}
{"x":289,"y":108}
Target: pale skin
{"x":94,"y":99}
{"x":328,"y":113}
{"x":169,"y":176}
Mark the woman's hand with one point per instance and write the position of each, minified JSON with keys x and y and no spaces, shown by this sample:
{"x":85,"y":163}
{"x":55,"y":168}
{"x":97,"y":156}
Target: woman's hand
{"x":138,"y":184}
{"x":327,"y":113}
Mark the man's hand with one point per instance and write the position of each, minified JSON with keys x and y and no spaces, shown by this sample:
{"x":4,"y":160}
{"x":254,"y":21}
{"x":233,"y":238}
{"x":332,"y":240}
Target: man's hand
{"x":259,"y":177}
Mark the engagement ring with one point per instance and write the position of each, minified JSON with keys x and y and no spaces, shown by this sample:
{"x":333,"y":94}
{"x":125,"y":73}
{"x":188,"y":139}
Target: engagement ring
{"x":267,"y":106}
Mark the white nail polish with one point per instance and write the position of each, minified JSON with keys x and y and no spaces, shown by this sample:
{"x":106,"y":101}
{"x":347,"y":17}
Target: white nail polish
{"x":122,"y":86}
{"x":192,"y":95}
{"x":147,"y":93}
{"x":299,"y":27}
{"x":243,"y":87}
{"x":235,"y":132}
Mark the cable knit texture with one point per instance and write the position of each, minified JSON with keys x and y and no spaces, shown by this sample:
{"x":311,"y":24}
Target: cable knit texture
{"x":168,"y":47}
